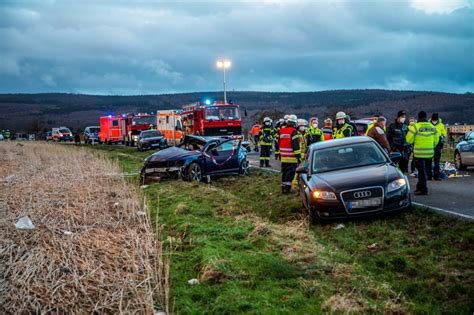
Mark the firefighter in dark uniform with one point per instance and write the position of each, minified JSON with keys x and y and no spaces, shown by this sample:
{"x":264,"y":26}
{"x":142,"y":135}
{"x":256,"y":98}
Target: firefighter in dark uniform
{"x":290,"y":152}
{"x":266,"y":138}
{"x":276,"y":136}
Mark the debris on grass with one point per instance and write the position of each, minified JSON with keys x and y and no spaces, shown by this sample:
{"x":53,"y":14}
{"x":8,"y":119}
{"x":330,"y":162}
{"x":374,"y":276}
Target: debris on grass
{"x":193,"y":281}
{"x":24,"y":223}
{"x":339,"y":226}
{"x":373,"y":246}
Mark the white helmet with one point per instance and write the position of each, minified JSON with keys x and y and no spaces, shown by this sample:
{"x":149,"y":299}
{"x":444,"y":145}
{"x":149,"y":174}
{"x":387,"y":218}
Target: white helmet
{"x":292,"y":119}
{"x":341,"y":115}
{"x":267,"y":119}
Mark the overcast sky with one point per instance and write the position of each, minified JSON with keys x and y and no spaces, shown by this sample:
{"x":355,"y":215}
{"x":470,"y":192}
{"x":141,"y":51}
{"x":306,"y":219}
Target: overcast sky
{"x":154,"y":47}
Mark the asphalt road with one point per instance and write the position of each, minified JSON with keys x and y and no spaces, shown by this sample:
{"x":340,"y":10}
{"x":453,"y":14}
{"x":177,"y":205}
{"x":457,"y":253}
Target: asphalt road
{"x":453,"y":196}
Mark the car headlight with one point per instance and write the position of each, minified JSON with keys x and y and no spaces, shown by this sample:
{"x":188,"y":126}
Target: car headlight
{"x":396,"y":184}
{"x":324,"y":195}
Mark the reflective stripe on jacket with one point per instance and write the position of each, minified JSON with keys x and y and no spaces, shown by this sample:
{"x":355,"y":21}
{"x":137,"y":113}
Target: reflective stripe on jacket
{"x":313,"y":135}
{"x":327,"y":131}
{"x":290,"y":151}
{"x":266,"y":136}
{"x":424,"y":137}
{"x":343,"y":132}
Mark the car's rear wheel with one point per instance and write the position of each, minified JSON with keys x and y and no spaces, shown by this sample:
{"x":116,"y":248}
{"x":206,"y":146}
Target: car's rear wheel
{"x":244,"y":168}
{"x":458,"y":162}
{"x":194,"y":172}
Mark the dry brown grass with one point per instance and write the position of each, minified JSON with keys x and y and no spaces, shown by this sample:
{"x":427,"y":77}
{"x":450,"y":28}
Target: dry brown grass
{"x":111,"y":261}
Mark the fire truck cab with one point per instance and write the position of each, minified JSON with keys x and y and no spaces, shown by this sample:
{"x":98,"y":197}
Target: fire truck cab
{"x":169,"y":123}
{"x":110,"y":129}
{"x":133,"y":124}
{"x":212,"y":119}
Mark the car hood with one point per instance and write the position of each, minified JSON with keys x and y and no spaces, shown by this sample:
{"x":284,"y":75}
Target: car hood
{"x":171,"y":154}
{"x":151,"y":139}
{"x":353,"y":178}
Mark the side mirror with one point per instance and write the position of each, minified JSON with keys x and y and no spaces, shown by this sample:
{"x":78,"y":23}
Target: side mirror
{"x":303,"y":169}
{"x":395,"y":157}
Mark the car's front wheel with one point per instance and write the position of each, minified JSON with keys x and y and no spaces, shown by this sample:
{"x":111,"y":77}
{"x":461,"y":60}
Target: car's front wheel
{"x":244,"y":168}
{"x":458,"y":162}
{"x":194,"y":172}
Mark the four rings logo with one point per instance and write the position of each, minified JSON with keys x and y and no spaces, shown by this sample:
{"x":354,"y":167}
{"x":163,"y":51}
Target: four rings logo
{"x":362,"y":194}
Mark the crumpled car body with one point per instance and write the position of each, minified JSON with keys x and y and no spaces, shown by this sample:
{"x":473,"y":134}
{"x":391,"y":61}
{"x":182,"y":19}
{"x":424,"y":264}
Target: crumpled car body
{"x":197,"y":157}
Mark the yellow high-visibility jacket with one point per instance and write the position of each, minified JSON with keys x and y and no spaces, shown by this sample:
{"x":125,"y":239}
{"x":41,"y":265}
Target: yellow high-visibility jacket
{"x":424,"y":137}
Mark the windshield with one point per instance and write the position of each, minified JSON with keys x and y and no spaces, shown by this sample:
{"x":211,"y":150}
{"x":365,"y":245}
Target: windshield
{"x":150,"y":134}
{"x":94,"y":130}
{"x":222,"y":113}
{"x":64,"y":130}
{"x":144,"y":120}
{"x":348,"y":156}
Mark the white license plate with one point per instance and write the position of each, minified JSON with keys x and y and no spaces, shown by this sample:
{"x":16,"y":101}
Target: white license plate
{"x":371,"y":202}
{"x":161,"y":169}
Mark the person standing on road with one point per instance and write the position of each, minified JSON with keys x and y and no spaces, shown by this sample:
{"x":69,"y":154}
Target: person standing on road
{"x":378,"y":133}
{"x":342,"y":129}
{"x":424,"y":137}
{"x":290,"y":152}
{"x":313,"y":134}
{"x":266,"y":142}
{"x":327,"y":129}
{"x":255,"y":133}
{"x":438,"y":123}
{"x":276,"y":136}
{"x":396,"y":135}
{"x":372,"y":124}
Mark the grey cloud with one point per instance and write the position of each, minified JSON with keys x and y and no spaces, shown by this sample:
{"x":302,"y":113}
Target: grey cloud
{"x":162,"y":46}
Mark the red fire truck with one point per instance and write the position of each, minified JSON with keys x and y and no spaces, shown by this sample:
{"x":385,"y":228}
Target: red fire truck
{"x":212,"y":119}
{"x":133,"y":124}
{"x":110,"y":129}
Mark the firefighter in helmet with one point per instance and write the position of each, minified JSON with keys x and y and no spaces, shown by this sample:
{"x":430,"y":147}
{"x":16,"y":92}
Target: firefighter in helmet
{"x":276,"y":135}
{"x":266,"y":138}
{"x":342,"y":128}
{"x":313,"y":134}
{"x":290,"y":152}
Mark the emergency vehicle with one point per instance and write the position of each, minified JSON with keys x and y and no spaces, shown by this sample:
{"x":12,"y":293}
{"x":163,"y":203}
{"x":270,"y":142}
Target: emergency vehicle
{"x":61,"y":134}
{"x":110,"y":129}
{"x":133,"y":124}
{"x":169,"y":123}
{"x":212,"y":119}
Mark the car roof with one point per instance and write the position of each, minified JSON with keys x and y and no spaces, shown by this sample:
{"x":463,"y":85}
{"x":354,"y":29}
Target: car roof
{"x":340,"y":142}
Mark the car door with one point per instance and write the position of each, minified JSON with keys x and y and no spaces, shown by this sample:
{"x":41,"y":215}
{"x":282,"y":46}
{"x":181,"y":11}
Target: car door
{"x":468,"y":155}
{"x":222,"y":157}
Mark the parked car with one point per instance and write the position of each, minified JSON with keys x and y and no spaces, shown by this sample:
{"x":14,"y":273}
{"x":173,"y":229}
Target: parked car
{"x":1,"y":137}
{"x":362,"y":125}
{"x":351,"y":177}
{"x":464,"y":153}
{"x":49,"y":136}
{"x":151,"y":139}
{"x":91,"y":134}
{"x":62,"y":134}
{"x":196,"y":157}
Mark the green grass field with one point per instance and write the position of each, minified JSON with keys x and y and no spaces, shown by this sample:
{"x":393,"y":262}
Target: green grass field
{"x":253,"y":252}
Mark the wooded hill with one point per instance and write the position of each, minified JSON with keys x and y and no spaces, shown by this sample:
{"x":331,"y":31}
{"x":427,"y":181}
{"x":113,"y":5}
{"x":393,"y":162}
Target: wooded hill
{"x":37,"y":112}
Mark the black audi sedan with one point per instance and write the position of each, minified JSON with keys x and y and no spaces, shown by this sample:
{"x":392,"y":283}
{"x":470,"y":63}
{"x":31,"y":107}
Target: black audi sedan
{"x":151,"y":139}
{"x":351,"y":177}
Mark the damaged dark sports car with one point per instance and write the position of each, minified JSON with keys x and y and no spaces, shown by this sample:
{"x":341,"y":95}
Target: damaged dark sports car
{"x":196,"y":157}
{"x":351,"y":177}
